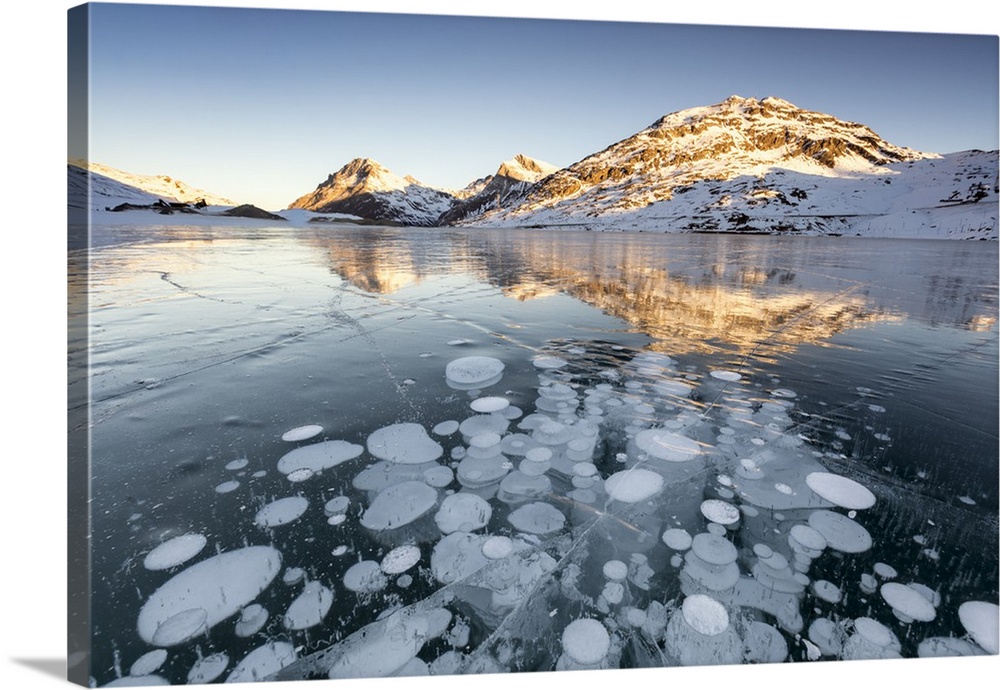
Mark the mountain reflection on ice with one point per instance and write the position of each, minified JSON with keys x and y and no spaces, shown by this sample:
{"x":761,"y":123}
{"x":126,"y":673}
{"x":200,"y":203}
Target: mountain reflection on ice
{"x":669,"y":479}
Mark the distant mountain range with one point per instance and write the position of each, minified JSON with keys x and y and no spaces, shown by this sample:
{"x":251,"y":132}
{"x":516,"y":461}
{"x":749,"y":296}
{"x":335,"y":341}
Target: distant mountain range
{"x":742,"y":165}
{"x":117,"y":186}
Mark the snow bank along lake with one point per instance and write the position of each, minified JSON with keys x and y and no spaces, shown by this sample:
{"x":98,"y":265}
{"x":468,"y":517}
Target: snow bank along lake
{"x":357,"y":452}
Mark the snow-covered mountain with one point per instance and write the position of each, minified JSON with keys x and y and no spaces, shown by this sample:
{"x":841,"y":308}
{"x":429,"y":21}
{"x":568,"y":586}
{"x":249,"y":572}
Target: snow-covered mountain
{"x":512,"y":179}
{"x":89,"y":191}
{"x":157,"y":186}
{"x":367,"y":189}
{"x":763,"y":165}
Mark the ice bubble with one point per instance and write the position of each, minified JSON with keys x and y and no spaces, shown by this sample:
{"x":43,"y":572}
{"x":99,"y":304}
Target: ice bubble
{"x":318,"y":456}
{"x":148,"y":663}
{"x":293,"y":576}
{"x":840,"y":490}
{"x":841,"y":532}
{"x":337,"y":519}
{"x":476,"y":473}
{"x":724,"y":375}
{"x":720,"y":512}
{"x":552,"y":433}
{"x":399,"y":505}
{"x":928,"y":593}
{"x":262,"y":662}
{"x":465,"y":512}
{"x":763,"y":644}
{"x":716,"y":528}
{"x":979,"y":618}
{"x":238,"y":464}
{"x":340,"y":550}
{"x":537,"y":518}
{"x":208,"y":668}
{"x":586,"y":641}
{"x":383,"y":474}
{"x":967,"y":500}
{"x":517,"y":444}
{"x":457,"y":556}
{"x":868,"y":583}
{"x":705,"y":615}
{"x":258,"y":474}
{"x":302,"y":433}
{"x":468,"y":373}
{"x":281,"y":512}
{"x":174,"y":551}
{"x":613,"y":592}
{"x":490,"y":404}
{"x":875,"y":634}
{"x":365,"y":577}
{"x":208,"y":591}
{"x":539,"y":454}
{"x":180,"y":627}
{"x":309,"y":608}
{"x":406,"y":443}
{"x":300,"y":475}
{"x":512,"y":412}
{"x":783,"y":393}
{"x":549,"y":362}
{"x":667,"y":445}
{"x":484,"y":423}
{"x":672,"y":388}
{"x":532,"y":468}
{"x":827,"y":635}
{"x":713,"y":549}
{"x":438,"y":477}
{"x":252,"y":619}
{"x":227,"y":487}
{"x":615,"y":570}
{"x":336,"y":505}
{"x":497,"y":547}
{"x":633,"y":485}
{"x":517,"y":486}
{"x":827,"y":591}
{"x":763,"y":551}
{"x":807,"y":537}
{"x":485,"y":440}
{"x":885,"y":571}
{"x":400,"y":559}
{"x":445,"y":428}
{"x":458,"y":341}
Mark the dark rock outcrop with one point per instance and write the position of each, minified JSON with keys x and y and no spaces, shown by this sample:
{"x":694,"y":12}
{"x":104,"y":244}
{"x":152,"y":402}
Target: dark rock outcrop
{"x":251,"y":211}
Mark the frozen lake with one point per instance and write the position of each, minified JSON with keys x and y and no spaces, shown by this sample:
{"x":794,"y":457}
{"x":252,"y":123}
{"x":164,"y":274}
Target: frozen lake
{"x":663,"y":450}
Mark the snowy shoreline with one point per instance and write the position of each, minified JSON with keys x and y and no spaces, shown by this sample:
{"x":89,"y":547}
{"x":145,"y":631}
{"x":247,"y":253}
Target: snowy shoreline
{"x":948,"y":223}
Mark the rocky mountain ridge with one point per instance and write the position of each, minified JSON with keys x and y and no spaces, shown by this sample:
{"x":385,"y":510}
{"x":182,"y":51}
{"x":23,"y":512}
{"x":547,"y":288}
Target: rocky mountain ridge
{"x":742,"y":165}
{"x":748,"y":165}
{"x":512,"y":180}
{"x":365,"y":188}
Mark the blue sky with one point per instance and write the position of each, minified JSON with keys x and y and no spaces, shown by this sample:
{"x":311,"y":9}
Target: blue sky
{"x":261,"y":105}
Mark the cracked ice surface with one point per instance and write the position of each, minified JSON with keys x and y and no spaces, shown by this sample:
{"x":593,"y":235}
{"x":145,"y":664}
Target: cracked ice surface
{"x":610,"y":501}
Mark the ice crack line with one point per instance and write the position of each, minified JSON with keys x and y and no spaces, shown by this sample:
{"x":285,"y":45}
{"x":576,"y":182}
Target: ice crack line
{"x":341,"y":316}
{"x":165,"y":277}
